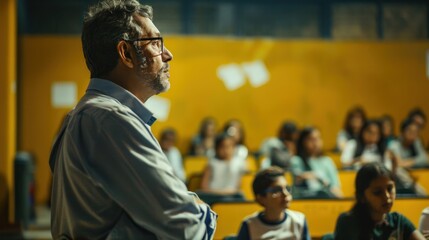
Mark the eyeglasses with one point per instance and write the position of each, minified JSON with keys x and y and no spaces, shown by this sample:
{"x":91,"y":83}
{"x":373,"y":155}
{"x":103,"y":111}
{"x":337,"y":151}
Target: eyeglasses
{"x":277,"y":191}
{"x":156,"y":44}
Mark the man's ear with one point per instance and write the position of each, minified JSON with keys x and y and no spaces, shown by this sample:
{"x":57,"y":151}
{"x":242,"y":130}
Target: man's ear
{"x":124,"y":52}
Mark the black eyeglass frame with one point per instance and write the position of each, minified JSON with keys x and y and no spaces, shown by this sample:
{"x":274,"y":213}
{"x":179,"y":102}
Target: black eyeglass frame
{"x":149,"y":39}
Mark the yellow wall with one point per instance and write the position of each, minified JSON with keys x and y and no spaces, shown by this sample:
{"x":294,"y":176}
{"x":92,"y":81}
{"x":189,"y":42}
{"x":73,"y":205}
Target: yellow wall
{"x":7,"y":92}
{"x":312,"y":82}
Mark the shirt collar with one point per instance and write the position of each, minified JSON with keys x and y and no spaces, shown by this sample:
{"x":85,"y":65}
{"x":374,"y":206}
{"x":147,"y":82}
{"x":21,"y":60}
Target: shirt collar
{"x":123,"y":96}
{"x":262,"y":219}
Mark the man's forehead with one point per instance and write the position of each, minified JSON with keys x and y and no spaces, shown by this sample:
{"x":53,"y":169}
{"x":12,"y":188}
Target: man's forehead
{"x":149,"y":29}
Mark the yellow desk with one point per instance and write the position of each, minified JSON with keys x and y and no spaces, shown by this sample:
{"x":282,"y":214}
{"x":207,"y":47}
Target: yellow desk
{"x":321,"y":214}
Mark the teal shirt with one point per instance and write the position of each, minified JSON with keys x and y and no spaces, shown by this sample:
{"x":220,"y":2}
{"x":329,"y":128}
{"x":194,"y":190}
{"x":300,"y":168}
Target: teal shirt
{"x":395,"y":227}
{"x":323,"y":167}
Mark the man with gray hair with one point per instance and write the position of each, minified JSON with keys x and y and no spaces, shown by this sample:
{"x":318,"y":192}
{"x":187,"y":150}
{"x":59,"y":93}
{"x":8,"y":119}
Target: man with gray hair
{"x":111,"y":179}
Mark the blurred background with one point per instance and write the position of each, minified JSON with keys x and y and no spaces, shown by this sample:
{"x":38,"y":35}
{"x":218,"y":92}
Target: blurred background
{"x":261,"y":62}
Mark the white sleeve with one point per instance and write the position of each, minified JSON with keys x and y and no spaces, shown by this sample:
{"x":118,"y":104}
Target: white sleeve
{"x":347,"y":155}
{"x":422,"y":157}
{"x":341,"y":138}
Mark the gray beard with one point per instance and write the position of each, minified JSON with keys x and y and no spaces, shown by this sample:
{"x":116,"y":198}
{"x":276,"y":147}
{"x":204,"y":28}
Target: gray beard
{"x":156,"y":83}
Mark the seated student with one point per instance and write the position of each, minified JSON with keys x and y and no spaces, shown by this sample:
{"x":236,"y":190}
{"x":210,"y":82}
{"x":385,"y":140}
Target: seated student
{"x":370,"y":217}
{"x":408,"y":152}
{"x":424,"y":223}
{"x":353,"y":123}
{"x":419,"y":118}
{"x":408,"y":148}
{"x":203,"y":143}
{"x":224,"y":171}
{"x":314,"y":174}
{"x":167,"y":141}
{"x":368,"y":147}
{"x":387,"y":129}
{"x":235,"y":129}
{"x":279,"y":150}
{"x":276,"y":221}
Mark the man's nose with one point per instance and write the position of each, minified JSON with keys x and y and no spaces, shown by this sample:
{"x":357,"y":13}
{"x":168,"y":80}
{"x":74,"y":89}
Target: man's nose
{"x":167,"y":55}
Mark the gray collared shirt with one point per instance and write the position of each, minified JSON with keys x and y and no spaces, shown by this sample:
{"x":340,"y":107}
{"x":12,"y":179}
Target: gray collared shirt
{"x":111,"y":179}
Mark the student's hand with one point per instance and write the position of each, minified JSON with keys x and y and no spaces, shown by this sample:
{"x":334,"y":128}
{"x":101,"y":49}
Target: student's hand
{"x":308,"y":175}
{"x":407,"y":163}
{"x":391,"y":156}
{"x":357,"y":161}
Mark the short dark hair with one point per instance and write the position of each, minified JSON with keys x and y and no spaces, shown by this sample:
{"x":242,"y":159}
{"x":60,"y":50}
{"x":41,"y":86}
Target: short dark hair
{"x":286,"y":131}
{"x":406,"y":123}
{"x":220,"y":138}
{"x":417,"y":112}
{"x":265,"y":178}
{"x":104,"y":25}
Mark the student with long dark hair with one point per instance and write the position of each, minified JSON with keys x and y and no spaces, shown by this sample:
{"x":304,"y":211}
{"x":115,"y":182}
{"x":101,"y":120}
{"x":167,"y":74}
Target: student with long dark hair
{"x":387,"y":130}
{"x":353,"y":123}
{"x":368,"y":147}
{"x":419,"y":118}
{"x":370,"y":217}
{"x":203,"y":143}
{"x":315,"y":174}
{"x":409,"y":153}
{"x":408,"y":147}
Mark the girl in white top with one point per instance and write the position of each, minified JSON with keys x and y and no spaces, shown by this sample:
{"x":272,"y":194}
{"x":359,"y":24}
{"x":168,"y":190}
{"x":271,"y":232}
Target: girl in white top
{"x":223,"y":172}
{"x":368,"y":147}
